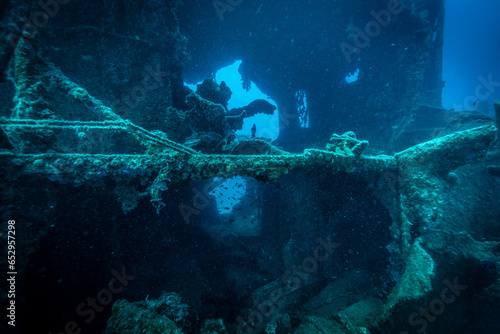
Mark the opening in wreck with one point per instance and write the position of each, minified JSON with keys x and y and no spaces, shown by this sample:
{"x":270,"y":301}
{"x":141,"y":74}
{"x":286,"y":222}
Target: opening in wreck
{"x":242,"y":93}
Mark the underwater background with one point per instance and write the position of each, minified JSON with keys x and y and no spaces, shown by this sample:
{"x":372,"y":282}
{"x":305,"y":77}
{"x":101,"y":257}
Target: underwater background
{"x":248,"y":166}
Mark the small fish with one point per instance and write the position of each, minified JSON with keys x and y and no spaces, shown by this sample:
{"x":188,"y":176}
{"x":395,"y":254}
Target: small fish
{"x":192,"y":142}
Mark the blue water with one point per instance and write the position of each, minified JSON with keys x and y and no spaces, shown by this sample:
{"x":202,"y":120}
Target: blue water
{"x":471,"y":52}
